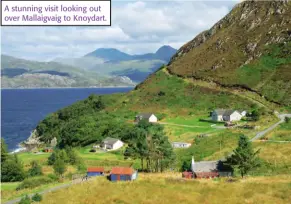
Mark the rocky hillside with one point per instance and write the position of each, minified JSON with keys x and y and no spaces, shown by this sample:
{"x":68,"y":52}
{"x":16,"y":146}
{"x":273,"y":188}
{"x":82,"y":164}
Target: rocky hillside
{"x":249,"y":48}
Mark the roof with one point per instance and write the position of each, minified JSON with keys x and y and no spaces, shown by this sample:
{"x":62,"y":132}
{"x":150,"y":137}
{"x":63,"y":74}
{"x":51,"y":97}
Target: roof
{"x":206,"y":166}
{"x":122,"y":170}
{"x":224,"y":112}
{"x":95,"y":169}
{"x":145,"y":115}
{"x":110,"y":140}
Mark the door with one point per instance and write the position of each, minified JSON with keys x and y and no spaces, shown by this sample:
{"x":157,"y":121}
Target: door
{"x":118,"y":177}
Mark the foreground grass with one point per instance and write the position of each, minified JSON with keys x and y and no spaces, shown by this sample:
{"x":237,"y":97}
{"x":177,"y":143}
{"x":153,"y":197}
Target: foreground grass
{"x":169,"y":188}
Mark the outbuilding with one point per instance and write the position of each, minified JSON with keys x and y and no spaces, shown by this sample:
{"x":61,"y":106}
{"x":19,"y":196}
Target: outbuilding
{"x":123,"y":174}
{"x":95,"y":171}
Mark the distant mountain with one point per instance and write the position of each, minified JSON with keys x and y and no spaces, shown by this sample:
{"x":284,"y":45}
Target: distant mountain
{"x":113,"y":62}
{"x":21,"y":73}
{"x":111,"y":54}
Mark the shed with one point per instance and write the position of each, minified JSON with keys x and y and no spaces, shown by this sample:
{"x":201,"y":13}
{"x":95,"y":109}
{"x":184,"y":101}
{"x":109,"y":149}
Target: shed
{"x":95,"y":171}
{"x":123,"y":174}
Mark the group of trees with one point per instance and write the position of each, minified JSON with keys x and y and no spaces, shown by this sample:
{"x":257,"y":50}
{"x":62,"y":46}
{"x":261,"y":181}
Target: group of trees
{"x":148,"y":143}
{"x":11,"y":167}
{"x":60,"y":158}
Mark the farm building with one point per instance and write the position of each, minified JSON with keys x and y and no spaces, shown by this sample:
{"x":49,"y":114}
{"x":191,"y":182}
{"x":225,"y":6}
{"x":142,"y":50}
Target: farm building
{"x":123,"y":174}
{"x":227,"y":115}
{"x":150,"y":117}
{"x":111,"y":143}
{"x":209,"y":169}
{"x":95,"y":171}
{"x":180,"y":145}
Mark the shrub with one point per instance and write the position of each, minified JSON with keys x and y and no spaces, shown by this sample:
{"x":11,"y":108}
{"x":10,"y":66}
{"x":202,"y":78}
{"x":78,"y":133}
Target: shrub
{"x":34,"y":182}
{"x":25,"y":200}
{"x":36,"y":197}
{"x":53,"y":177}
{"x":35,"y":169}
{"x":12,"y":170}
{"x":287,"y":120}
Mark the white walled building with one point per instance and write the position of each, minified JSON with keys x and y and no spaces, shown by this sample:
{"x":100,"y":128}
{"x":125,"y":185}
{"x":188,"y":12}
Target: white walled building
{"x":227,"y":115}
{"x":150,"y":117}
{"x":111,"y":143}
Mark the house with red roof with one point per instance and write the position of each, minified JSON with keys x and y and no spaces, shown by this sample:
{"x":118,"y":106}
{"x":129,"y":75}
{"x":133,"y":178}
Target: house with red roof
{"x":95,"y":171}
{"x":123,"y":174}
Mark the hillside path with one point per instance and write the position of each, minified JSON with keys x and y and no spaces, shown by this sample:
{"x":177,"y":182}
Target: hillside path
{"x":262,"y":133}
{"x":55,"y":188}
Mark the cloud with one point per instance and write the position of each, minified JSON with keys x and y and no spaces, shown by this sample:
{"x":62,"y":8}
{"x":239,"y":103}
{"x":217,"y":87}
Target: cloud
{"x":137,"y":27}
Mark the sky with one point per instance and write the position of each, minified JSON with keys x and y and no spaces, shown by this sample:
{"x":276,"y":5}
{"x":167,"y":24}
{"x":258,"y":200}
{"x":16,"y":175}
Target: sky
{"x":137,"y":27}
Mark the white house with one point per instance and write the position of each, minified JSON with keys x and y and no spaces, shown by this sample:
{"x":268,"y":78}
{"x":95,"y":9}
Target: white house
{"x":226,"y":115}
{"x":180,"y":145}
{"x":111,"y":143}
{"x":150,"y":117}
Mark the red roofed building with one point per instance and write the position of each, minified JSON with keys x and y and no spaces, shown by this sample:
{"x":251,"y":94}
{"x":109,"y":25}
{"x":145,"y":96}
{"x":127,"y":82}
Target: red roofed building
{"x":95,"y":171}
{"x":123,"y":174}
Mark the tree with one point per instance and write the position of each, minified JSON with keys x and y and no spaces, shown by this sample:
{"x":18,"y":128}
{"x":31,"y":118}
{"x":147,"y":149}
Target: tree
{"x":4,"y":151}
{"x":59,"y":167}
{"x":72,"y":156}
{"x":185,"y":166}
{"x":244,"y":158}
{"x":256,"y":115}
{"x":148,"y":143}
{"x":61,"y":154}
{"x":35,"y":169}
{"x":12,"y":170}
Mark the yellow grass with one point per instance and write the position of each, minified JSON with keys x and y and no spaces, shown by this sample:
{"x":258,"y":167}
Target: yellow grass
{"x":281,"y":152}
{"x":170,"y":188}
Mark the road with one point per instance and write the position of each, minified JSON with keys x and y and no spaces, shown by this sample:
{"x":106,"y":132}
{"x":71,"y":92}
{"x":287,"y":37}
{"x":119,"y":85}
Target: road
{"x":262,"y":133}
{"x":48,"y":190}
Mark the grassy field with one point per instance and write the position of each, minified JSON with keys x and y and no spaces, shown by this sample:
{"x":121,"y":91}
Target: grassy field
{"x":170,"y":188}
{"x":281,"y":133}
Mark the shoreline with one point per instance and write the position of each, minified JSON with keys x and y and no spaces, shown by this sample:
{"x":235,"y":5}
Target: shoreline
{"x":68,"y":87}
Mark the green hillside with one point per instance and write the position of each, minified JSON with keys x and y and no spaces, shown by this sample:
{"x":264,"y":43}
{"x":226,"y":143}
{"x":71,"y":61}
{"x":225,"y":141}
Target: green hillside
{"x":248,"y":48}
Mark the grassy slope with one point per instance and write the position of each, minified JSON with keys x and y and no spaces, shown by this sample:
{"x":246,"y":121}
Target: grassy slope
{"x":166,"y":188}
{"x":224,"y":50}
{"x":281,"y":133}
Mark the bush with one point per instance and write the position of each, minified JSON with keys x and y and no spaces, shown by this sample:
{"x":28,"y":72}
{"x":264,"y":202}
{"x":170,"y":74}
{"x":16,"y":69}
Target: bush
{"x":35,"y":169}
{"x":34,"y":182}
{"x":287,"y":120}
{"x":36,"y":197}
{"x":12,"y":170}
{"x":25,"y":200}
{"x":53,"y":177}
